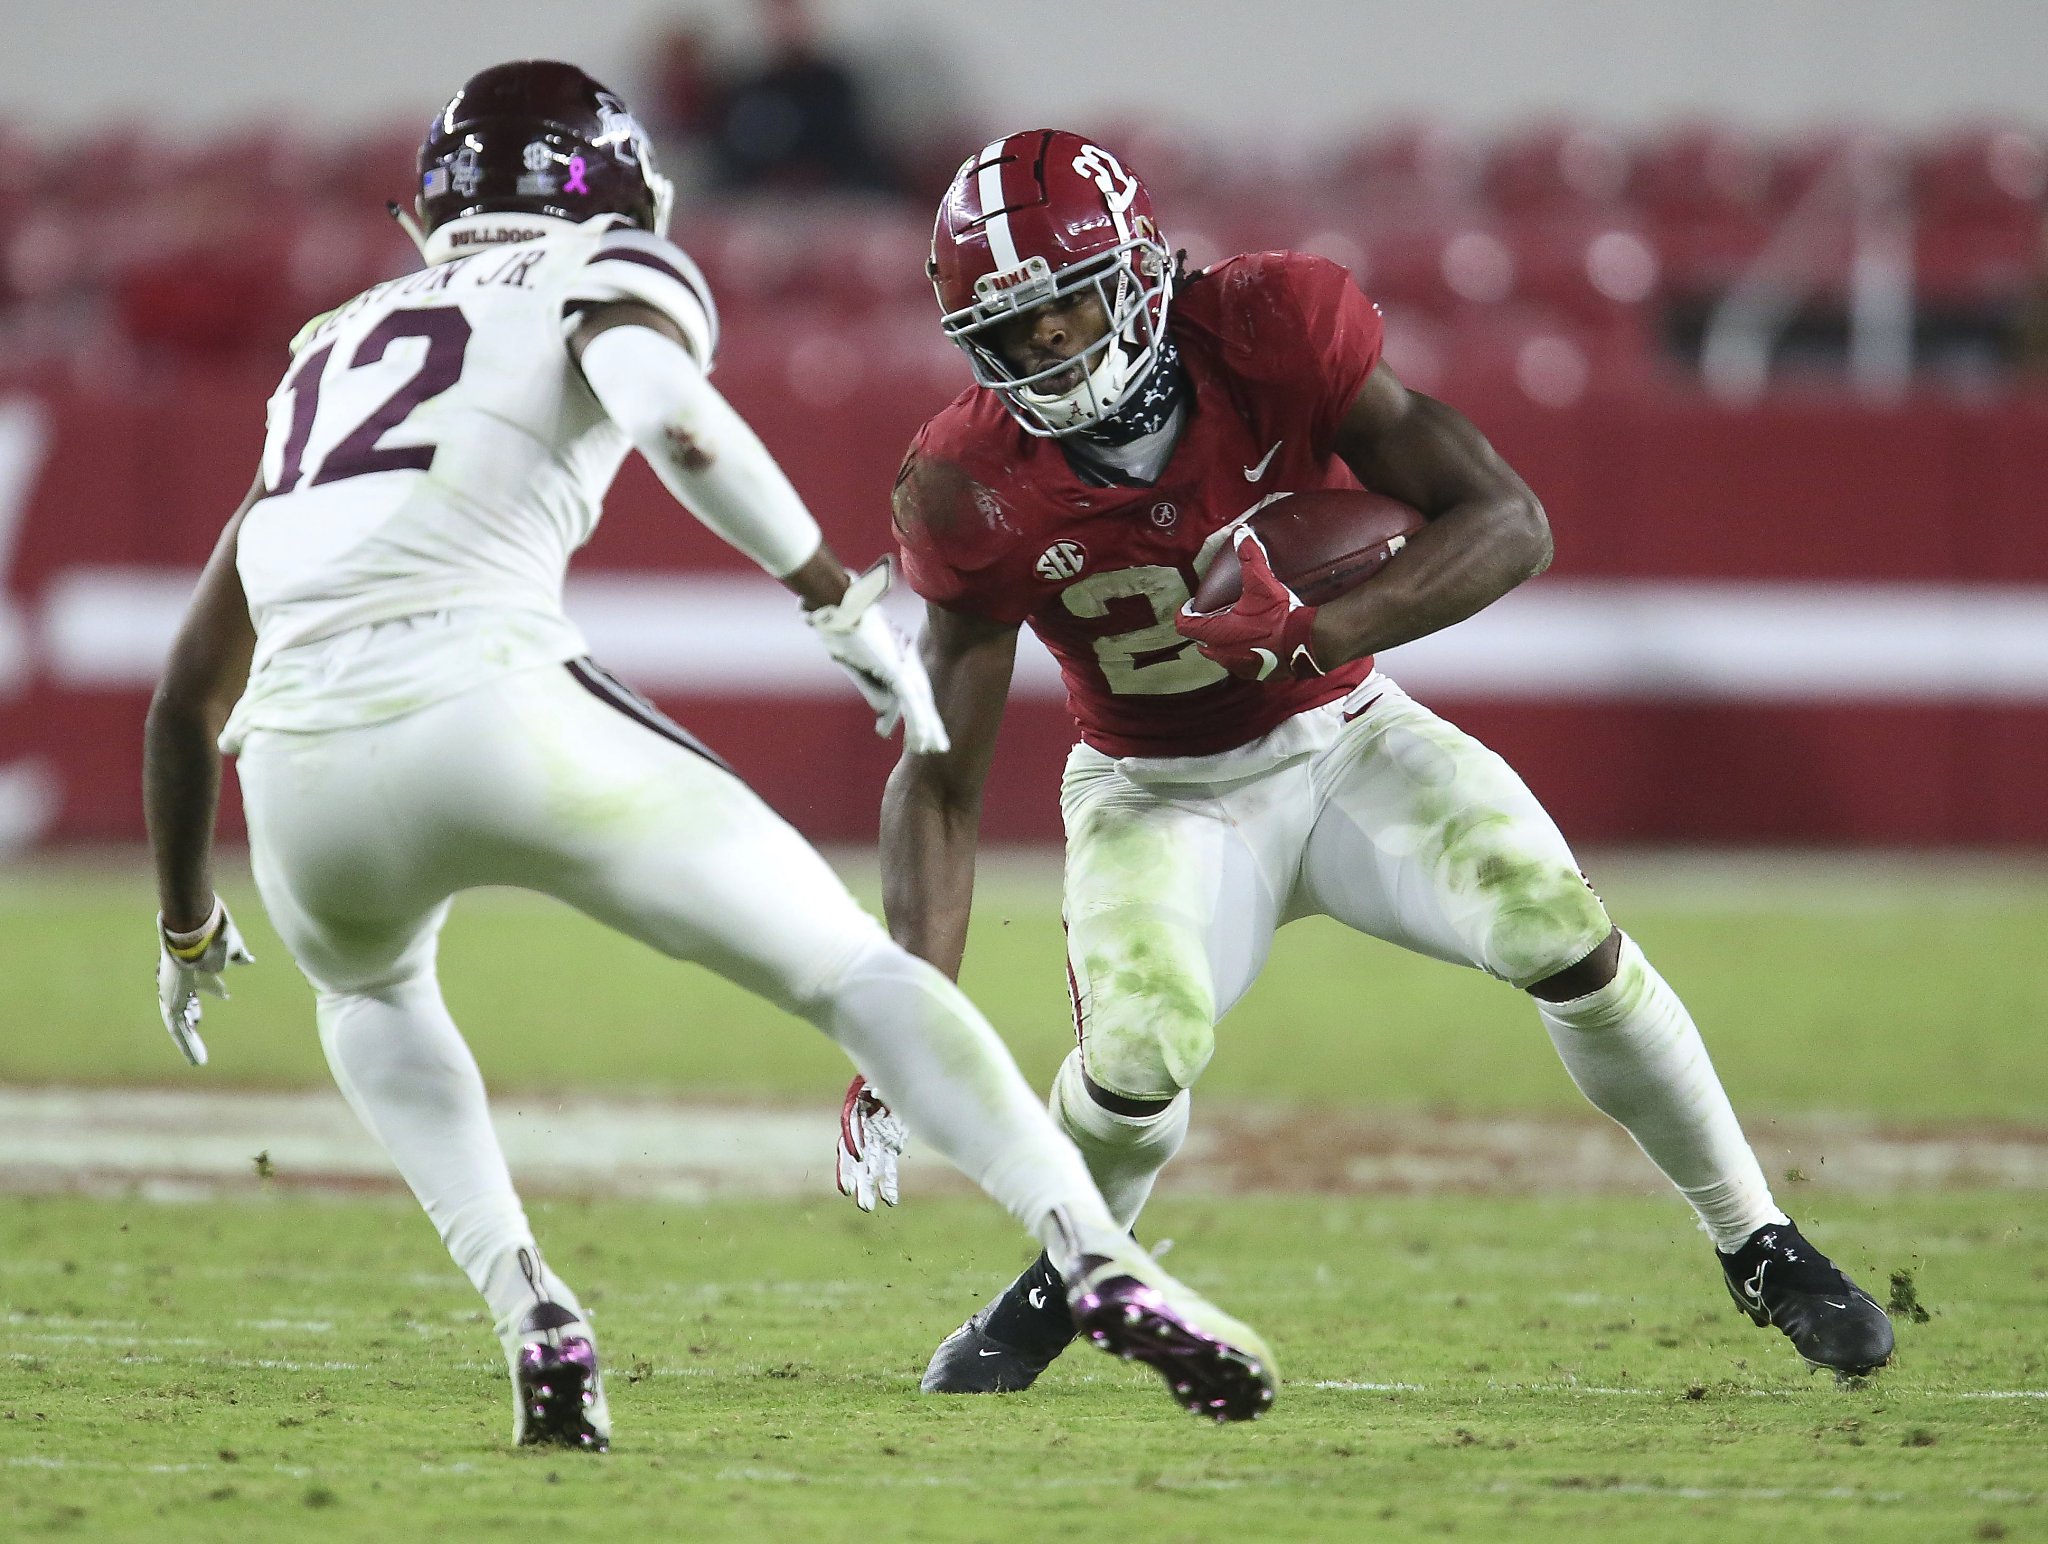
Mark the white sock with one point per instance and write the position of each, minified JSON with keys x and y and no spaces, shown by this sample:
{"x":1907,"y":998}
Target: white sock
{"x":1124,"y":1152}
{"x":408,"y":1074}
{"x":935,"y":1060}
{"x":1634,"y":1052}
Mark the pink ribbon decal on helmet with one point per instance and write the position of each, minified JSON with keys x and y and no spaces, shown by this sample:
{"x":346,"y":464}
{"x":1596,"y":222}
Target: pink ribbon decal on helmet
{"x":576,"y":184}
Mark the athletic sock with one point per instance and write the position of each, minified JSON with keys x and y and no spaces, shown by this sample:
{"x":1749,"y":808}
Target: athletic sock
{"x":406,"y":1071}
{"x":1634,"y":1052}
{"x":932,"y":1056}
{"x":1124,"y":1152}
{"x":1033,"y":1315}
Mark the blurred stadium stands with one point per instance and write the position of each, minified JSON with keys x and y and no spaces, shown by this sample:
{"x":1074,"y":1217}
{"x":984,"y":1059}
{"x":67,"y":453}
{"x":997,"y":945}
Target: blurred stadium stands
{"x":1562,"y":283}
{"x":122,"y":251}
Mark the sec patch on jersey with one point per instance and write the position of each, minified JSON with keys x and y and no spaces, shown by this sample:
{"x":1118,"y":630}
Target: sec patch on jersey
{"x":1322,"y":544}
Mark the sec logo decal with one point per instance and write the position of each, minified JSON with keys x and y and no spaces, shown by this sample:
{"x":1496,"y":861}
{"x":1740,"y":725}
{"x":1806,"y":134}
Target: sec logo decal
{"x":1062,"y":560}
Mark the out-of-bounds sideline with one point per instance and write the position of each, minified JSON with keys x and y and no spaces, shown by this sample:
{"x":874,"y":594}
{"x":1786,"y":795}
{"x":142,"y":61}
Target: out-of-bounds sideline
{"x":192,"y":1142}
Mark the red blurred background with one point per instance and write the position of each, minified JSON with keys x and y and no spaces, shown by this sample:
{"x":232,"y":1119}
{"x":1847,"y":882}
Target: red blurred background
{"x":1560,"y":283}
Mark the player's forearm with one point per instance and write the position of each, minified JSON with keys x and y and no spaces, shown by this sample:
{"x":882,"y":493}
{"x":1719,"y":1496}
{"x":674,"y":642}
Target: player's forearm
{"x":180,"y":795}
{"x":928,"y":843}
{"x":205,"y":674}
{"x":1461,"y":563}
{"x":819,"y":581}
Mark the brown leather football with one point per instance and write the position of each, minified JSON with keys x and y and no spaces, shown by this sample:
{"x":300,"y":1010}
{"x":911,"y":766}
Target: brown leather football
{"x":1321,"y":544}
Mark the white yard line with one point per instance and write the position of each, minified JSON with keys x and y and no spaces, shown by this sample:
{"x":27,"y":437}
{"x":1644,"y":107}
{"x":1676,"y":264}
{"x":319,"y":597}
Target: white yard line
{"x":1599,"y":1391}
{"x":194,"y":1144}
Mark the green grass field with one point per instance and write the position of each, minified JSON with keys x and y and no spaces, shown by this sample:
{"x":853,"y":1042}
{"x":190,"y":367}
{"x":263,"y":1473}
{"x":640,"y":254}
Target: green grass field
{"x":1910,"y":993}
{"x":1543,"y":1370}
{"x":277,"y":1364}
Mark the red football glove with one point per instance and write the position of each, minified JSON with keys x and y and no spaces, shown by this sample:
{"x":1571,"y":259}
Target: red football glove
{"x":1265,"y":631}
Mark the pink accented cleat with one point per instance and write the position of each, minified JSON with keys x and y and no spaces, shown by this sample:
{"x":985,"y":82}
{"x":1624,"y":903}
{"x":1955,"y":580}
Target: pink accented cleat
{"x":557,"y":1393}
{"x":1214,"y":1365}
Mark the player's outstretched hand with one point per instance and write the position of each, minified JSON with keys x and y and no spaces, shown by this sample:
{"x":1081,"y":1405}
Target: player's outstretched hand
{"x":190,"y":964}
{"x":1264,"y":631}
{"x":870,"y":1141}
{"x":881,"y":661}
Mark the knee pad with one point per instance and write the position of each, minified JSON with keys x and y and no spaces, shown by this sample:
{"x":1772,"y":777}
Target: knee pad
{"x":1147,"y":1050}
{"x":1548,"y":920}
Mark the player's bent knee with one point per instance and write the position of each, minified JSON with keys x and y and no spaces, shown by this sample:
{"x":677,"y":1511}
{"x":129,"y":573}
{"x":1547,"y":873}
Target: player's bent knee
{"x":1583,"y":977}
{"x":1549,"y":922}
{"x":1151,"y":1055}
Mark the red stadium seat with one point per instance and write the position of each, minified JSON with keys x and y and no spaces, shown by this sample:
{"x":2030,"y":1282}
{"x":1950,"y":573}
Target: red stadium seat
{"x":1699,"y":170}
{"x":1993,"y":174}
{"x":1558,"y":167}
{"x":1972,"y":264}
{"x":369,"y":169}
{"x":1598,"y":271}
{"x":1412,"y":161}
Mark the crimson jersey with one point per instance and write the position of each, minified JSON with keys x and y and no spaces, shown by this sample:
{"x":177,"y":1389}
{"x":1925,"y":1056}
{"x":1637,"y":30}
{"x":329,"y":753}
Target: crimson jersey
{"x":996,"y":523}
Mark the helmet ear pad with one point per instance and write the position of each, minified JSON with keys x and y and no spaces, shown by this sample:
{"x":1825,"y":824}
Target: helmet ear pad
{"x":538,"y":137}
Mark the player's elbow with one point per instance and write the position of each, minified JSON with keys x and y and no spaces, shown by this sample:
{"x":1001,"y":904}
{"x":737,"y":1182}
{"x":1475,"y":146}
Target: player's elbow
{"x":204,"y":676}
{"x":185,"y":707}
{"x":927,"y":788}
{"x":1526,"y":528}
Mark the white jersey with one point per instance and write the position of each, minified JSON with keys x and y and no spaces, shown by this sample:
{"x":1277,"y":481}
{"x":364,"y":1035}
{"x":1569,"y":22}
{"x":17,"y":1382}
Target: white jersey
{"x":434,"y":458}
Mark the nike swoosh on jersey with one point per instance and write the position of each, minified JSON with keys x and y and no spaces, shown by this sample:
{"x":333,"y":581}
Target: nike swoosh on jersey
{"x":1254,"y":472}
{"x":1351,"y":713}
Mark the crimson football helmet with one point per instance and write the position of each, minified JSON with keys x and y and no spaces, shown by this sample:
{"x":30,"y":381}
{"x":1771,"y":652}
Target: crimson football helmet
{"x":540,"y":138}
{"x":1037,"y":217}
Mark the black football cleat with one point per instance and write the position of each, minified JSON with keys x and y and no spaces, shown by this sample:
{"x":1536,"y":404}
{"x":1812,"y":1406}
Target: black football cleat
{"x":1777,"y":1277}
{"x":557,"y":1391}
{"x":1008,"y":1343}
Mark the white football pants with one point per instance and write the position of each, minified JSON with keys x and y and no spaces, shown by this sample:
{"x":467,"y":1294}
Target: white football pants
{"x":1382,"y":815}
{"x":559,"y":780}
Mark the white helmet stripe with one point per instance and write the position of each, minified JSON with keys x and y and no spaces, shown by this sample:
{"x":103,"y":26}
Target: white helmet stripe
{"x":1001,"y":245}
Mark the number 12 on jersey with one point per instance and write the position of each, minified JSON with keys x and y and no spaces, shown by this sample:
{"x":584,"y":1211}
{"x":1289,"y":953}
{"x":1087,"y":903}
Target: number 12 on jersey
{"x":358,"y":452}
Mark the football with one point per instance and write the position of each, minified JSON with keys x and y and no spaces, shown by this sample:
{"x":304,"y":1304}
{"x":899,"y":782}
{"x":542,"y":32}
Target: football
{"x":1321,"y":544}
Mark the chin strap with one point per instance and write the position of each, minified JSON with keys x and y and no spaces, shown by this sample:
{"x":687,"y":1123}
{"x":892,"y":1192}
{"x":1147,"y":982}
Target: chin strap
{"x":1151,"y":405}
{"x":408,"y":224}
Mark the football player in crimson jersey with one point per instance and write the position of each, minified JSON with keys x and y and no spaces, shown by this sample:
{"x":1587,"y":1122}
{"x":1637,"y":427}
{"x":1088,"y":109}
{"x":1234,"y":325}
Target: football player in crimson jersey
{"x":414,"y":718}
{"x":1238,"y":770}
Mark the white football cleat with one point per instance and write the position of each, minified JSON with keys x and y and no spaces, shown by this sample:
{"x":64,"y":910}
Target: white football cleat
{"x":1125,"y":1303}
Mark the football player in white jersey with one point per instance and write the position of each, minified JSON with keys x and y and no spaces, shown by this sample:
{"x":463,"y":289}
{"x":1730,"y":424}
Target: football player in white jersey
{"x":414,"y":716}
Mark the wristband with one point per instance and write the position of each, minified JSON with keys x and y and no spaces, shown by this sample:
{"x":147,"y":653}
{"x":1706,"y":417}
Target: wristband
{"x":189,"y":946}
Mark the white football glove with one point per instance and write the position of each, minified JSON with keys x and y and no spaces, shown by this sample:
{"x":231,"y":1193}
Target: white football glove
{"x":881,"y":662}
{"x":870,"y":1141}
{"x":184,"y":970}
